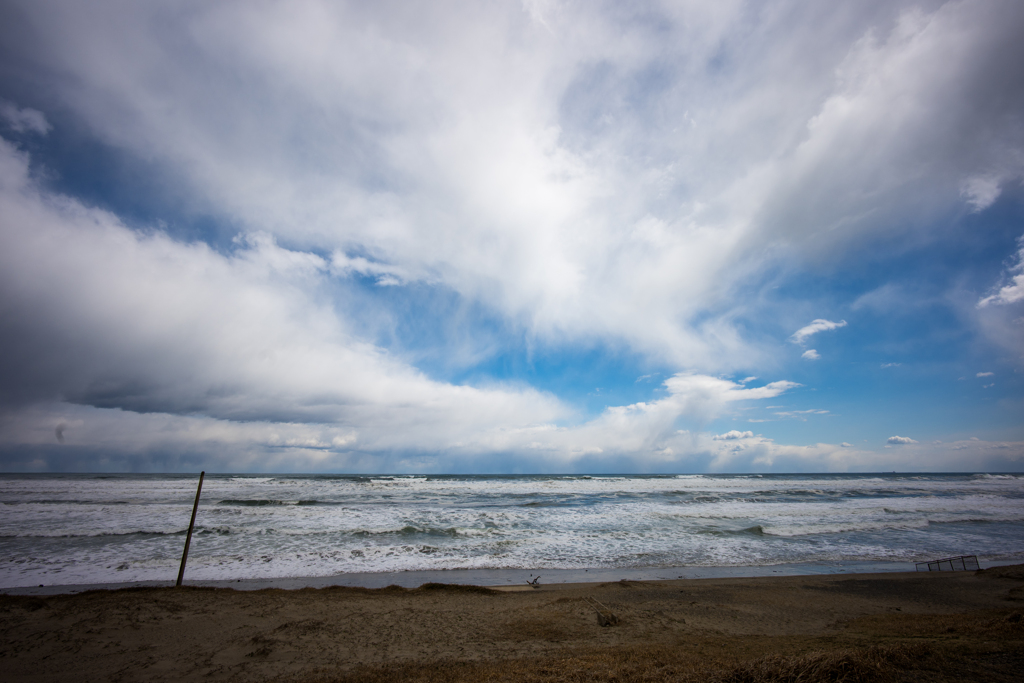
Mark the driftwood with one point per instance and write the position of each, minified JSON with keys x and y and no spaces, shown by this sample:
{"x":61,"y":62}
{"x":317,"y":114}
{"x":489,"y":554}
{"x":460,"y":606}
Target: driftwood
{"x":605,"y":617}
{"x":191,"y":525}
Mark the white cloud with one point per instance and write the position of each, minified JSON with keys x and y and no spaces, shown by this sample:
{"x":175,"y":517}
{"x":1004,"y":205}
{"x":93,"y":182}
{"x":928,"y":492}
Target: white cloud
{"x":23,"y":120}
{"x":1014,"y":291}
{"x":810,"y":354}
{"x":650,"y":426}
{"x":900,"y":440}
{"x":985,"y":374}
{"x":802,"y":414}
{"x":764,"y":455}
{"x":618,"y":176}
{"x":524,"y":158}
{"x":819,"y":325}
{"x":385,"y":275}
{"x":153,"y":325}
{"x":880,"y":110}
{"x":898,"y":298}
{"x":733,"y":435}
{"x":118,"y":440}
{"x":642,"y":431}
{"x":891,"y":365}
{"x":242,"y":353}
{"x":980,"y":192}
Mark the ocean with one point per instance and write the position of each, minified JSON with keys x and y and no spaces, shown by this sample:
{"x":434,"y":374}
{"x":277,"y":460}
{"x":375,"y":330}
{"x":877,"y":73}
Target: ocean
{"x":112,"y":528}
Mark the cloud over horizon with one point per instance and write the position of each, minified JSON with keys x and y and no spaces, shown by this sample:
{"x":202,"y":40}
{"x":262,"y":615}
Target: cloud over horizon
{"x":349,"y":236}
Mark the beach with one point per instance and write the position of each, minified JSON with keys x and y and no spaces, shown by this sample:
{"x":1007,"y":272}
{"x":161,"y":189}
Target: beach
{"x":881,"y":626}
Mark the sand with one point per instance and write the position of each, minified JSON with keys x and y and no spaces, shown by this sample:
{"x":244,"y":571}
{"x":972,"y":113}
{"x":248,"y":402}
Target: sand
{"x":922,"y":626}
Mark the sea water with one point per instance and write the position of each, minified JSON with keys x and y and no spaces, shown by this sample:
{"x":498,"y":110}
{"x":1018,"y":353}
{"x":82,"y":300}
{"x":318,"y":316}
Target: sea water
{"x":88,"y":529}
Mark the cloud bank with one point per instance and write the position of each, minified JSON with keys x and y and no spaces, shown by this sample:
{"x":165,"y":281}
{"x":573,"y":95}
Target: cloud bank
{"x":362,"y":211}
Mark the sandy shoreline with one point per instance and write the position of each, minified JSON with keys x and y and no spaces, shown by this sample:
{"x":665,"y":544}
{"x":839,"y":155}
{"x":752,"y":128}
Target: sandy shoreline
{"x":967,"y":623}
{"x":491,"y":577}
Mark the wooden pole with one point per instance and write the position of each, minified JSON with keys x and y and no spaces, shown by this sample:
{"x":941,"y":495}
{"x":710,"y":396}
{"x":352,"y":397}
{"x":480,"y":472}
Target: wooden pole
{"x":191,"y":524}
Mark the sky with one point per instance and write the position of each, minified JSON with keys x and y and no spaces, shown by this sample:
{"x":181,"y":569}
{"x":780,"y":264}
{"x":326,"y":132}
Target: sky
{"x":511,"y":237}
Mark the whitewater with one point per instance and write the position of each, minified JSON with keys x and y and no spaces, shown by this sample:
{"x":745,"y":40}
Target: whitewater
{"x":108,"y":528}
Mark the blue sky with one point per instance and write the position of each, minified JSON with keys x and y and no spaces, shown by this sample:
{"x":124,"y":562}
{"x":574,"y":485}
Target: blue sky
{"x":532,"y":236}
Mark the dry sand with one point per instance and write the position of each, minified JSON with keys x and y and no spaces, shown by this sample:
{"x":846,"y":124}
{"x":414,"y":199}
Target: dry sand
{"x":927,"y":626}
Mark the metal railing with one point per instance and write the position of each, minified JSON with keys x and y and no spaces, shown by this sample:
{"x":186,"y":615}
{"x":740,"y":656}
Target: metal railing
{"x":967,"y":563}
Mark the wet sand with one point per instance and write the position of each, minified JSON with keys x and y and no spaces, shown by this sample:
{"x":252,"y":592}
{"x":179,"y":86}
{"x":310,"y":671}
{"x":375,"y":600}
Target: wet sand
{"x":489,"y":577}
{"x":962,"y":620}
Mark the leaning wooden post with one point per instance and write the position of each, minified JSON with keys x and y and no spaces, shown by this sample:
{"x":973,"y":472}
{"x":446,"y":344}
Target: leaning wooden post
{"x":191,"y":524}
